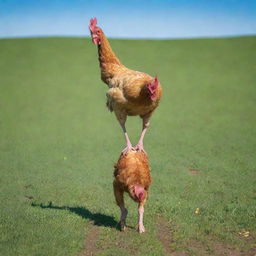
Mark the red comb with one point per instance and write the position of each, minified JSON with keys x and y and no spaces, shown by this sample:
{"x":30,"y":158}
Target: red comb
{"x":93,"y":23}
{"x":153,"y":86}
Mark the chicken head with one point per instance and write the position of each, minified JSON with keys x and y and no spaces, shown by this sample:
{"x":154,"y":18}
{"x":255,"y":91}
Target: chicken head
{"x":152,"y":88}
{"x":95,"y":31}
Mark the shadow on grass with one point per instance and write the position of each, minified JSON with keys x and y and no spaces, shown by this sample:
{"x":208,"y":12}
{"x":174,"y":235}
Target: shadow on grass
{"x":98,"y":219}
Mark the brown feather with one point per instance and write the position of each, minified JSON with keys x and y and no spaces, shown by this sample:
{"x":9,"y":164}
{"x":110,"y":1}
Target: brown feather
{"x":132,"y":170}
{"x":127,"y":94}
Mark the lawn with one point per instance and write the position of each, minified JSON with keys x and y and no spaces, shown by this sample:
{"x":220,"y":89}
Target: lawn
{"x":59,"y":143}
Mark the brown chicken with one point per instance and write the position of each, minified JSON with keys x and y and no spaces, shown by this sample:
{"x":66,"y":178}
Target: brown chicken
{"x":132,"y":174}
{"x":130,"y":92}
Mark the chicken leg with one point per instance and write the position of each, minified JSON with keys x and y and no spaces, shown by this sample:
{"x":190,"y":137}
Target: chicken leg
{"x":141,"y":227}
{"x":122,"y":119}
{"x":145,"y":125}
{"x":119,"y":196}
{"x":128,"y":142}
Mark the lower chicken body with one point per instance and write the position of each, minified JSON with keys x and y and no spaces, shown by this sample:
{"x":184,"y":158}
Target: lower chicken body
{"x":132,"y":175}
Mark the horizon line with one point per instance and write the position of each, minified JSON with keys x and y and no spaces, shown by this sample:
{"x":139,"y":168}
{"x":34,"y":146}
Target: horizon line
{"x":132,"y":38}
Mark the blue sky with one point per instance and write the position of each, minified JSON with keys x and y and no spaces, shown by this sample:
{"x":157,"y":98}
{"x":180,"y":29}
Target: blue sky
{"x":128,"y":19}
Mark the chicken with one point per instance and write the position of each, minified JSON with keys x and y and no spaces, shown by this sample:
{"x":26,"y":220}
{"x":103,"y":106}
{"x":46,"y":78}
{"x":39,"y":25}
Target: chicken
{"x":130,"y":93}
{"x":132,"y":174}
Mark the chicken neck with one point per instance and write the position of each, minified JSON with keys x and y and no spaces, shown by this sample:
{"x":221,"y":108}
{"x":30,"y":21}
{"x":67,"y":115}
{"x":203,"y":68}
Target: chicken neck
{"x":107,"y":58}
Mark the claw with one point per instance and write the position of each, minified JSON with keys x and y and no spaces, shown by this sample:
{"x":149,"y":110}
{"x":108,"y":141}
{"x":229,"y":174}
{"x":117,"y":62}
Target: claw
{"x":123,"y":226}
{"x":127,"y":149}
{"x":139,"y":147}
{"x":141,"y":229}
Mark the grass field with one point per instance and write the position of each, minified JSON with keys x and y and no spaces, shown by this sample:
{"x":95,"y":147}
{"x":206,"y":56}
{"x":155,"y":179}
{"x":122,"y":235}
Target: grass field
{"x":59,"y":143}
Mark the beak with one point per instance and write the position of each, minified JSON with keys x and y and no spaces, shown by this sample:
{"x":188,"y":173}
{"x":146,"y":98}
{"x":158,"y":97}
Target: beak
{"x":95,"y":39}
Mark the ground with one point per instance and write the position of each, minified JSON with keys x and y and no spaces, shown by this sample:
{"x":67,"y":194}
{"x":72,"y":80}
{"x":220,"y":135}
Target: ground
{"x":59,"y":144}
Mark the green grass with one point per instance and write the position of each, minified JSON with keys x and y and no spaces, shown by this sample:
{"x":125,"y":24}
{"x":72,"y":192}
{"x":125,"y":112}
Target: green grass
{"x":58,"y":145}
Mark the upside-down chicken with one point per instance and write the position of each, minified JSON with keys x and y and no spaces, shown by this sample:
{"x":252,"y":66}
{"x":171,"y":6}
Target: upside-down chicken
{"x":132,"y":175}
{"x":130,"y":92}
